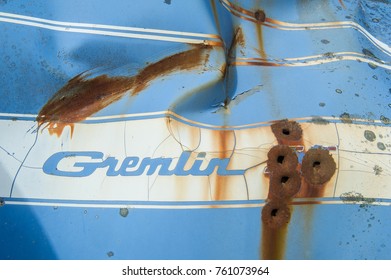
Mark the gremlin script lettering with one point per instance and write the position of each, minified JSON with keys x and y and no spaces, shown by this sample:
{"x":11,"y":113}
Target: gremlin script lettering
{"x":85,"y":163}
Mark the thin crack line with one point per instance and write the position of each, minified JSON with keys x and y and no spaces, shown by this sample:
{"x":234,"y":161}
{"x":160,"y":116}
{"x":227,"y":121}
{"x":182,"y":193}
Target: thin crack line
{"x":21,"y":165}
{"x":339,"y":161}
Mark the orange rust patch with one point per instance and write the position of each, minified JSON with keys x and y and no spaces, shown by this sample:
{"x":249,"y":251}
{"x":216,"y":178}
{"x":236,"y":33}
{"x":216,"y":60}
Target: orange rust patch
{"x":275,"y":218}
{"x":288,"y":132}
{"x":260,"y":16}
{"x":282,"y":157}
{"x":284,"y":184}
{"x":318,"y":166}
{"x":275,"y":215}
{"x":82,"y":96}
{"x":178,"y":62}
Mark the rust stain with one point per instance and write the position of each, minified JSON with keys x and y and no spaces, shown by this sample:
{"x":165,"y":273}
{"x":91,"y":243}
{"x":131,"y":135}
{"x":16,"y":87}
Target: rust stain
{"x":237,"y":40}
{"x":260,"y":16}
{"x":282,"y":157}
{"x":318,"y":166}
{"x":224,"y":138}
{"x":83,"y":95}
{"x":275,"y":220}
{"x":256,"y":63}
{"x":215,"y":15}
{"x":290,"y":179}
{"x":288,"y":133}
{"x":259,"y":34}
{"x":342,"y":4}
{"x":187,"y":60}
{"x":284,"y":184}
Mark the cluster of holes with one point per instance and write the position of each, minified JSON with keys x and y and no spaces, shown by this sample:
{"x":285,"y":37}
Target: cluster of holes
{"x":284,"y":184}
{"x":285,"y":180}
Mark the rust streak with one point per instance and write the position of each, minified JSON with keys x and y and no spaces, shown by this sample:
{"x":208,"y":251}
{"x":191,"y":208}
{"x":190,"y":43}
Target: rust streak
{"x":224,"y":138}
{"x":284,"y":184}
{"x":275,"y":219}
{"x":215,"y":15}
{"x":342,"y":4}
{"x":84,"y":95}
{"x":238,"y":39}
{"x":256,"y":63}
{"x":261,"y":49}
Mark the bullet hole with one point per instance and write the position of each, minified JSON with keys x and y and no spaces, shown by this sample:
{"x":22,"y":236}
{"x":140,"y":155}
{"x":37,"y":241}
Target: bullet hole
{"x":275,"y":215}
{"x":375,"y":20}
{"x":369,"y":135}
{"x":110,"y":254}
{"x":322,"y":104}
{"x":281,"y":157}
{"x":2,"y":202}
{"x":324,"y":41}
{"x":260,"y":16}
{"x":287,"y":130}
{"x":381,"y":146}
{"x":375,"y":77}
{"x":318,"y":166}
{"x":284,"y":179}
{"x":284,"y":184}
{"x":338,"y":91}
{"x":124,"y":212}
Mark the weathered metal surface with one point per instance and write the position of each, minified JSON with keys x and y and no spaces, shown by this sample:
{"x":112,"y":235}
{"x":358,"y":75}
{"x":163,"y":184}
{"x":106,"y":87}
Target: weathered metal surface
{"x":197,"y":130}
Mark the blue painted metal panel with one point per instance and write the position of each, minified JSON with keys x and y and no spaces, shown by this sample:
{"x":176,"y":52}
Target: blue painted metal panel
{"x":188,"y":96}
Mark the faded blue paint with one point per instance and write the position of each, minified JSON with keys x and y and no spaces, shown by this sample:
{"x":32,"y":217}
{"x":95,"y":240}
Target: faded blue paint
{"x":36,"y":63}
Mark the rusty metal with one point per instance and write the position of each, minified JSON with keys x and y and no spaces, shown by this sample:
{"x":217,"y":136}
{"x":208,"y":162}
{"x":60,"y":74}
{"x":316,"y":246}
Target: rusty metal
{"x":238,"y":122}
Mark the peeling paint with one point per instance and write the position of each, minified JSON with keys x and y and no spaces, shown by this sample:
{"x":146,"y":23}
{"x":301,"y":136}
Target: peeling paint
{"x":356,"y":198}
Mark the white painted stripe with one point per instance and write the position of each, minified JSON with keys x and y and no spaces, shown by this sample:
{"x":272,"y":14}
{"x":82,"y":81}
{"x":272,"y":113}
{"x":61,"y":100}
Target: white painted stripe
{"x":103,"y":32}
{"x":332,"y":201}
{"x":166,"y":114}
{"x":134,"y":206}
{"x":314,"y":60}
{"x":105,"y":26}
